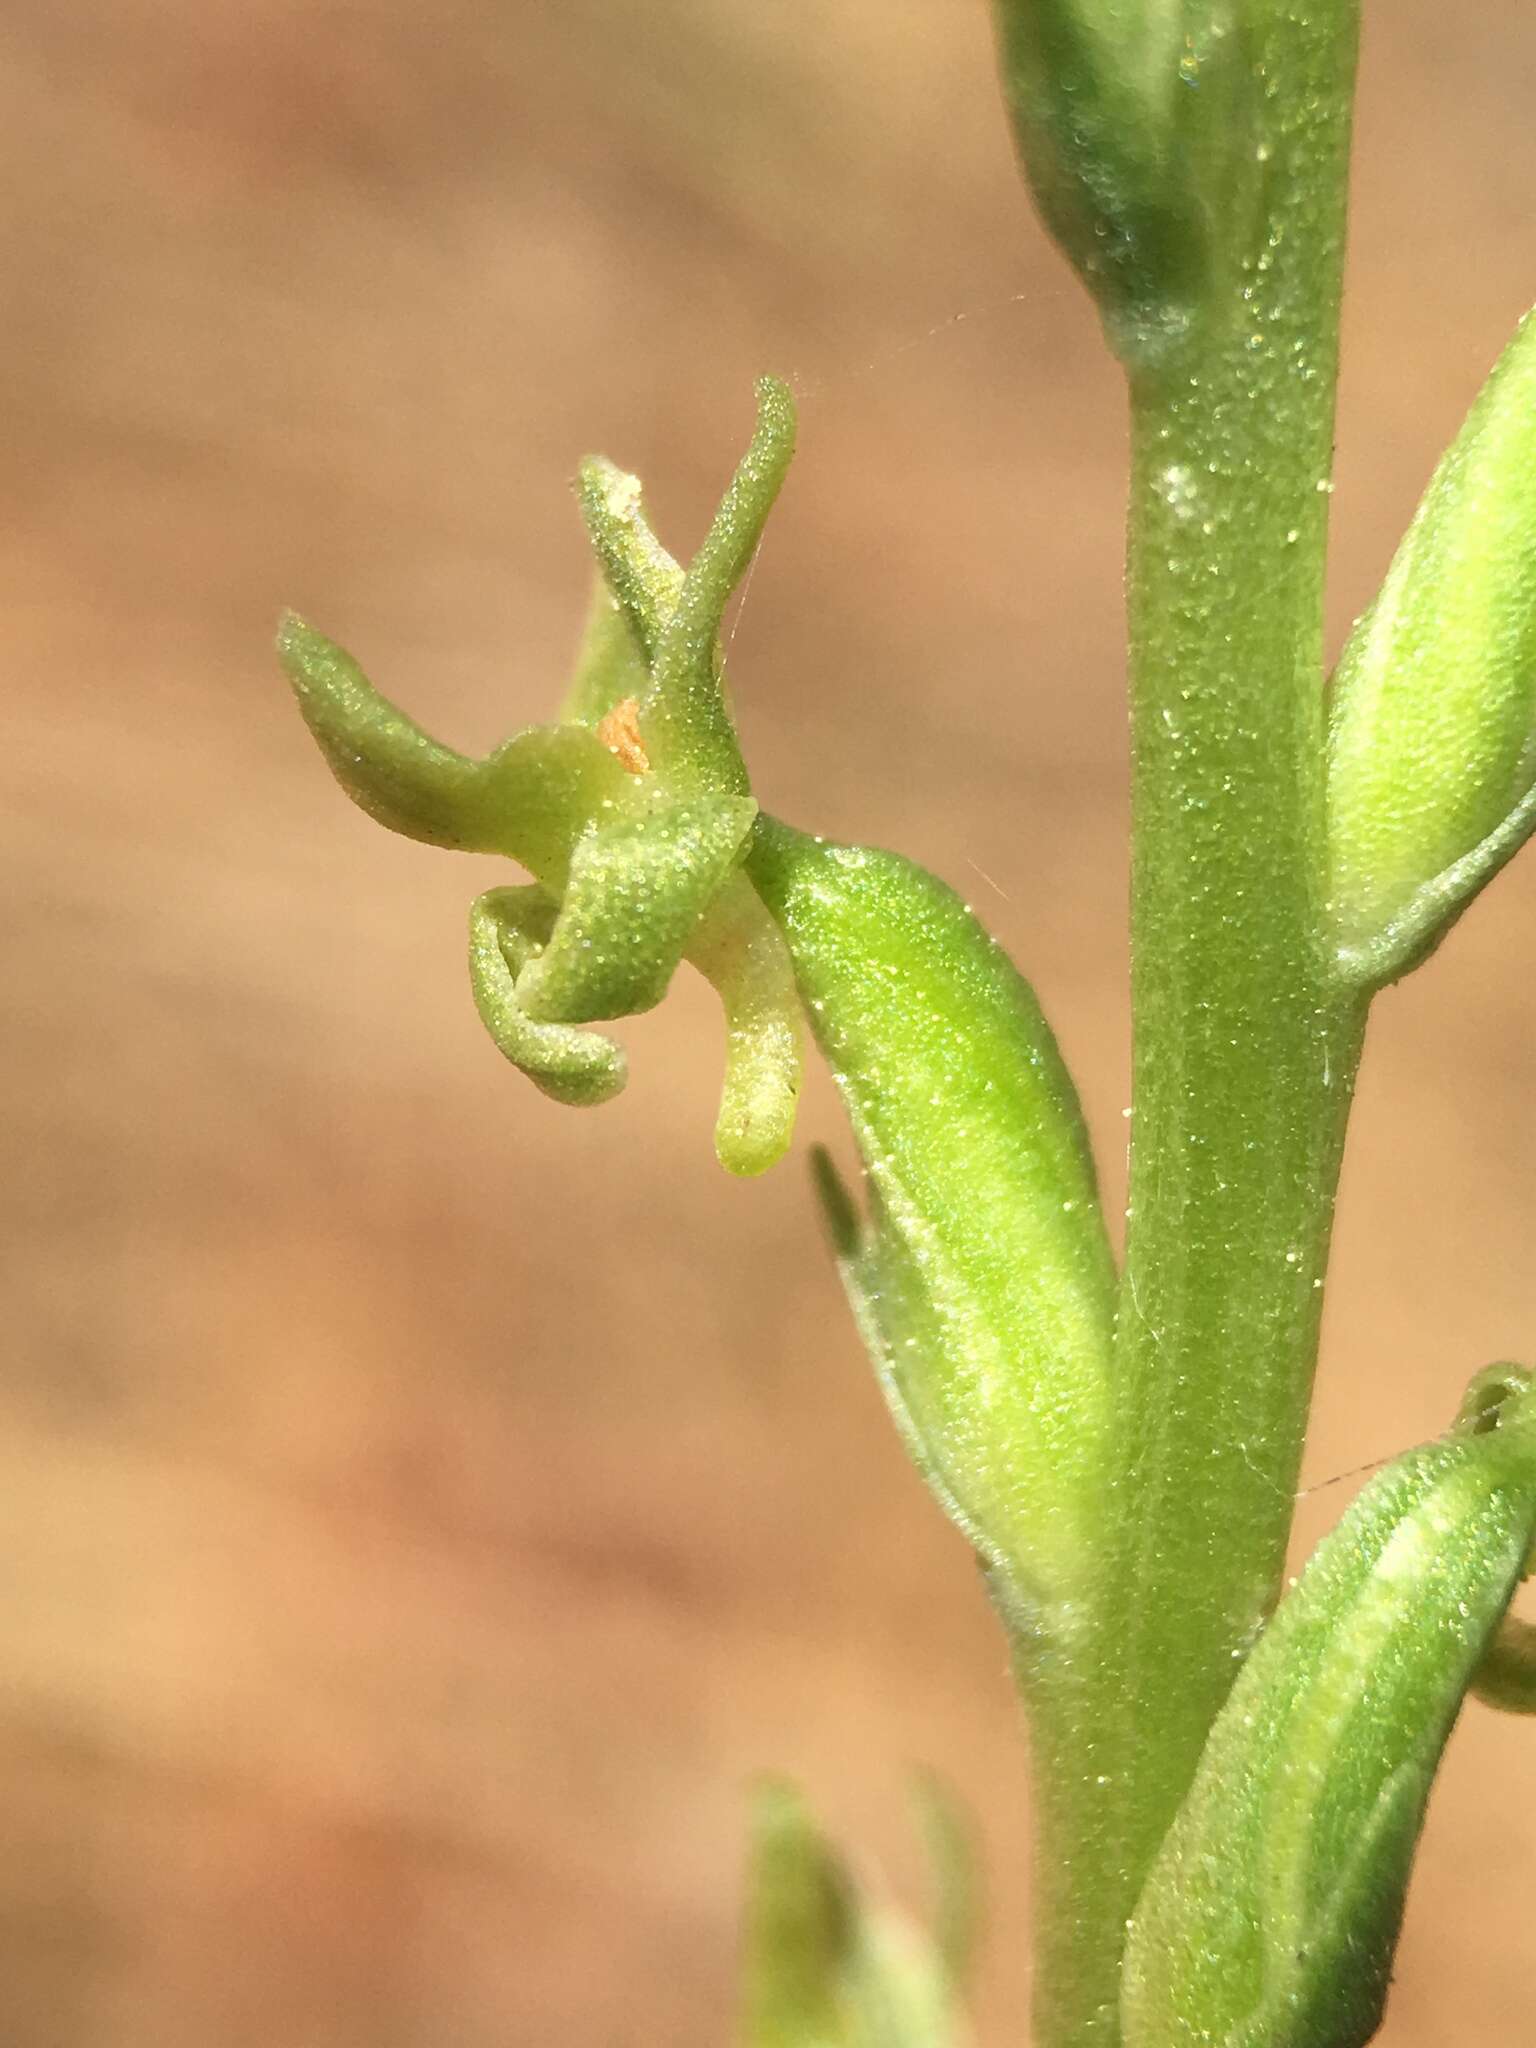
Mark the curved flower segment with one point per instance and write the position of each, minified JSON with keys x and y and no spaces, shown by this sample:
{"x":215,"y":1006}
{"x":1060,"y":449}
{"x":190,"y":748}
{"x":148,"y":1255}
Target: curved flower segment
{"x":633,"y":814}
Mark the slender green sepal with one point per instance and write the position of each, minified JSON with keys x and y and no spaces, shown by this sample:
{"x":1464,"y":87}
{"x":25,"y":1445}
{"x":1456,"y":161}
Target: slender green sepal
{"x":636,"y":891}
{"x":1139,"y":123}
{"x":507,"y":927}
{"x":685,"y":718}
{"x":825,"y":1966}
{"x":1273,"y":1908}
{"x":986,"y":1287}
{"x":643,"y":577}
{"x":387,"y":765}
{"x":1432,"y":731}
{"x":610,"y":666}
{"x":529,"y":800}
{"x":741,"y":953}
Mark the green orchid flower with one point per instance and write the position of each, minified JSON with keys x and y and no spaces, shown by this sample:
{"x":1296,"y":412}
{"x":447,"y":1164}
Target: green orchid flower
{"x":633,"y":814}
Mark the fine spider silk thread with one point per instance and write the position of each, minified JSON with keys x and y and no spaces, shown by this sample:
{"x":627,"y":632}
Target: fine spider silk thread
{"x":812,"y":391}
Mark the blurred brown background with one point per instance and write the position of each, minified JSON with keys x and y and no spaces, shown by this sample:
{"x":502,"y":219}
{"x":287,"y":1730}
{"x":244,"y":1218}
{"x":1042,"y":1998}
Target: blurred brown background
{"x":421,"y":1507}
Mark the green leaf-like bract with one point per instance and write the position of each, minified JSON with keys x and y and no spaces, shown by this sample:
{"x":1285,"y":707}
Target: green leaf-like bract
{"x":1272,"y":1912}
{"x":1432,"y":731}
{"x":983,"y":1284}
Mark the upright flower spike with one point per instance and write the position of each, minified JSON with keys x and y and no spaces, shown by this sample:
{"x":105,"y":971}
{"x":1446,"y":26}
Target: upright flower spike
{"x":633,"y":814}
{"x":982,"y":1281}
{"x":1432,"y":730}
{"x":1272,"y":1912}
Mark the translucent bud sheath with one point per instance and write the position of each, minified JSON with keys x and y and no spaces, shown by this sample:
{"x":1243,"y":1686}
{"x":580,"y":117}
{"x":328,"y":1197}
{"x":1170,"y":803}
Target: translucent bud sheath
{"x":985,"y":1285}
{"x":1138,"y":124}
{"x":1432,"y":734}
{"x":1272,"y":1911}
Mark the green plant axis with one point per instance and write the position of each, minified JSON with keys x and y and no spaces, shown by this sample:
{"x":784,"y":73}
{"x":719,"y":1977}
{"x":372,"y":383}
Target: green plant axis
{"x":1245,"y":1040}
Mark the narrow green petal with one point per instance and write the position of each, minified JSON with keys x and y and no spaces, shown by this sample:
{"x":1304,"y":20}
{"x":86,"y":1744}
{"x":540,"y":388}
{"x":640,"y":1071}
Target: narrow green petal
{"x":1432,"y":727}
{"x":988,"y":1284}
{"x":644,"y":579}
{"x":740,"y":951}
{"x":685,"y":718}
{"x":609,"y":665}
{"x":637,"y":888}
{"x":506,"y":929}
{"x":1271,"y":1915}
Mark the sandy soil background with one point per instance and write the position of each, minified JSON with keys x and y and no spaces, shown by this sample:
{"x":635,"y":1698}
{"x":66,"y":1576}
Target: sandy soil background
{"x":421,"y":1507}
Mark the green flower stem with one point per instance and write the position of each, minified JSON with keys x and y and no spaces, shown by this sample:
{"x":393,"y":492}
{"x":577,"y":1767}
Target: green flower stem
{"x":1244,"y":1048}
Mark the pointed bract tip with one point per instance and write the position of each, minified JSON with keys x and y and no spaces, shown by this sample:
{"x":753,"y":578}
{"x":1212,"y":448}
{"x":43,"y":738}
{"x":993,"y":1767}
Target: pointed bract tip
{"x":839,"y":1211}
